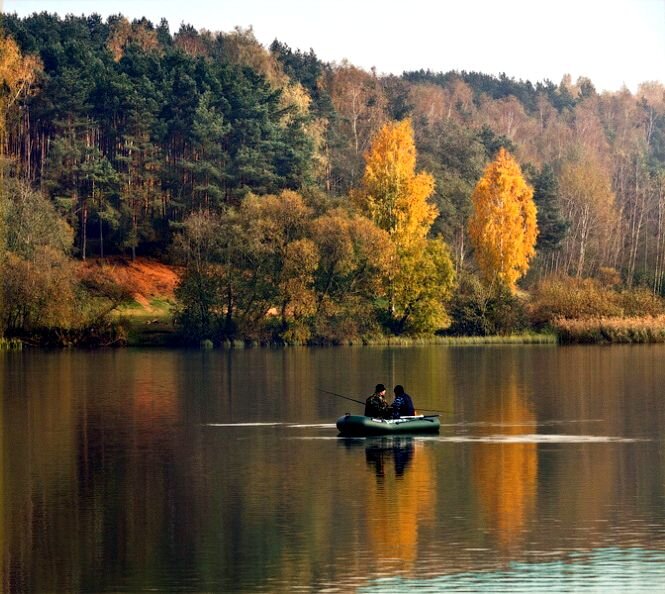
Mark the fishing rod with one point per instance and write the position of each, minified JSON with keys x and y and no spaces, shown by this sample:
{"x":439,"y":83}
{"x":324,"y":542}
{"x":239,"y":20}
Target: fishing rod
{"x":360,"y":402}
{"x":340,"y":396}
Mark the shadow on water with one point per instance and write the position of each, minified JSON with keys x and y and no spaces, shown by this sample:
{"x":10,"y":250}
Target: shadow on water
{"x":395,"y":452}
{"x":399,"y":498}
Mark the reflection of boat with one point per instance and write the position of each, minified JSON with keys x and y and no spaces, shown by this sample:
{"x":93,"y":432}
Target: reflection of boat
{"x":360,"y":425}
{"x":382,"y":449}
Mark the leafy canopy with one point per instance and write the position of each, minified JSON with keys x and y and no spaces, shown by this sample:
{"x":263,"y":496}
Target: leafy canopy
{"x":503,"y":226}
{"x":393,"y":195}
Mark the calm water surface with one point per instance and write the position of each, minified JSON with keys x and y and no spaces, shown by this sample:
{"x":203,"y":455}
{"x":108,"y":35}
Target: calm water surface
{"x":136,"y":470}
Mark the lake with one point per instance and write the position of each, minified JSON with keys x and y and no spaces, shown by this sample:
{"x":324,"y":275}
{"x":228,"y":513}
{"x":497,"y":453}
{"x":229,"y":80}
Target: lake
{"x":221,"y":471}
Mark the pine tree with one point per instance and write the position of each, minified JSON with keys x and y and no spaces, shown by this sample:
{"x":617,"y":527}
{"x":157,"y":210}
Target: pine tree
{"x":207,"y":166}
{"x":552,"y":227}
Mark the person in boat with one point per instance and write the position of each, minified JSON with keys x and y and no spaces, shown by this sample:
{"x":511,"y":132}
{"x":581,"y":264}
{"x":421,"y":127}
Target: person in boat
{"x":376,"y":405}
{"x":402,"y":406}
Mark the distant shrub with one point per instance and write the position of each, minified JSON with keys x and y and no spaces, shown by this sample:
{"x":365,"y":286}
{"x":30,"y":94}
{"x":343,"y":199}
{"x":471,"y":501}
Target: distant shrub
{"x":581,"y":299}
{"x":608,"y":277}
{"x":199,"y":312}
{"x":37,"y":294}
{"x":345,"y":323}
{"x":570,"y":298}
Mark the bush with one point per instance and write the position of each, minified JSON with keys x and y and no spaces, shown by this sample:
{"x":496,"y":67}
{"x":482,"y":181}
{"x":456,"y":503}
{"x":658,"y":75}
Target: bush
{"x":199,"y":312}
{"x":37,"y":294}
{"x":45,"y":302}
{"x":478,"y":310}
{"x":346,"y":321}
{"x":640,"y":302}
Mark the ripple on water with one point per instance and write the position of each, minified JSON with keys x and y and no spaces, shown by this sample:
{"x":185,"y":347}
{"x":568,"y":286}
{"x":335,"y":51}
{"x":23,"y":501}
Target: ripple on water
{"x":537,"y":438}
{"x":601,"y":571}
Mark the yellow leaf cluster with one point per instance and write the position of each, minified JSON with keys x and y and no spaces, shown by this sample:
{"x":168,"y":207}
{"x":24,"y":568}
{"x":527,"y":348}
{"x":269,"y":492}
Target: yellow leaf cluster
{"x":393,"y":195}
{"x":295,"y":102}
{"x":423,"y":284}
{"x":124,"y":33}
{"x":503,"y":225}
{"x":17,"y":73}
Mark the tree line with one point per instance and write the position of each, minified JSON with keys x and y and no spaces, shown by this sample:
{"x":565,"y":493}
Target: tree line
{"x":203,"y":146}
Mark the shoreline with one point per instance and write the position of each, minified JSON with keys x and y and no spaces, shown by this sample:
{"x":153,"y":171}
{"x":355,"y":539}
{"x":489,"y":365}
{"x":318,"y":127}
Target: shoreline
{"x":161,"y":333}
{"x":170,"y":341}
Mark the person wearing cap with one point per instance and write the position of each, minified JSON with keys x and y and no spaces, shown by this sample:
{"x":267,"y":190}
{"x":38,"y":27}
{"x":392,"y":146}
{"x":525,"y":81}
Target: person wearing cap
{"x":402,"y":406}
{"x":376,"y":405}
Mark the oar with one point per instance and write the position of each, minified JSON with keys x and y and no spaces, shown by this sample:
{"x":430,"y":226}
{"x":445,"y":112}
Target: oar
{"x":360,"y":402}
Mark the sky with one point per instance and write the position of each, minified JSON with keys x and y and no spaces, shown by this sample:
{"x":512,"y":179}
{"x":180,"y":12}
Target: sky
{"x":612,"y":42}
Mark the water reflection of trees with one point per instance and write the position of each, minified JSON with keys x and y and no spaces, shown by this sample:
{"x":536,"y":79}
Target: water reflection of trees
{"x":38,"y":434}
{"x":125,"y":479}
{"x":505,"y":474}
{"x":83,"y":486}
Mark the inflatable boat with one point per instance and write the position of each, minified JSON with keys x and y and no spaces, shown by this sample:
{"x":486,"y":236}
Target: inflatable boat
{"x":358,"y":425}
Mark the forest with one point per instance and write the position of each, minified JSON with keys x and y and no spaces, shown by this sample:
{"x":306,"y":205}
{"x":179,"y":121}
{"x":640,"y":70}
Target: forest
{"x":314,"y":202}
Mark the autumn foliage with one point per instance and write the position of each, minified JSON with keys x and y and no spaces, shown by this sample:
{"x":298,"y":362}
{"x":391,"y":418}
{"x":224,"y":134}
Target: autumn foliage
{"x":396,"y":198}
{"x":17,"y":75}
{"x":503,"y":226}
{"x":393,"y":195}
{"x":312,"y":201}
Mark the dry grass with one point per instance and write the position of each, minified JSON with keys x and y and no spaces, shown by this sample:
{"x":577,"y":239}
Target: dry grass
{"x":632,"y":330}
{"x":526,"y":338}
{"x":586,"y":299}
{"x":148,"y":319}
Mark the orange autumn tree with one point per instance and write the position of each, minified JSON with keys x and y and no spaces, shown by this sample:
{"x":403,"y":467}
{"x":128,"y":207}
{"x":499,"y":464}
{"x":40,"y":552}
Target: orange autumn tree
{"x":503,"y":227}
{"x":17,"y":75}
{"x":393,"y":195}
{"x":396,"y":199}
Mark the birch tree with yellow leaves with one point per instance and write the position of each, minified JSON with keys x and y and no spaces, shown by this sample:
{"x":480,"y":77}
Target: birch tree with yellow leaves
{"x":393,"y":195}
{"x":396,"y":199}
{"x":17,"y":75}
{"x":503,"y":227}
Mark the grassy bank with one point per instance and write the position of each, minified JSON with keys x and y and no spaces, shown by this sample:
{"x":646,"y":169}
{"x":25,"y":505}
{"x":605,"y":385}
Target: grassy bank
{"x":147,"y":320}
{"x":526,"y":338}
{"x":10,"y":344}
{"x":149,"y":324}
{"x":635,"y":330}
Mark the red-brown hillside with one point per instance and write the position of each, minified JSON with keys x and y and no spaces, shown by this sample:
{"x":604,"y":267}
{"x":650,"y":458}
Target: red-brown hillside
{"x":145,"y":279}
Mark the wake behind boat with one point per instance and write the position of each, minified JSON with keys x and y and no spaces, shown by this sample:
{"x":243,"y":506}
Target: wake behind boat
{"x":361,"y":426}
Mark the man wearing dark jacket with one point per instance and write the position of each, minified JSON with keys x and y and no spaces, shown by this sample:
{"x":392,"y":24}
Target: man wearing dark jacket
{"x":376,"y":405}
{"x":402,"y":405}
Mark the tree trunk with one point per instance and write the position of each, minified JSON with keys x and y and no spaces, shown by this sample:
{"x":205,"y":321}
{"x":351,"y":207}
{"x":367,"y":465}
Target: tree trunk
{"x":101,"y":239}
{"x":84,"y":229}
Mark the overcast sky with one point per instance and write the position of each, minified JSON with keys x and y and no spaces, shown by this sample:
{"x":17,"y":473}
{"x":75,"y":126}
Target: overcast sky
{"x":613,"y":42}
